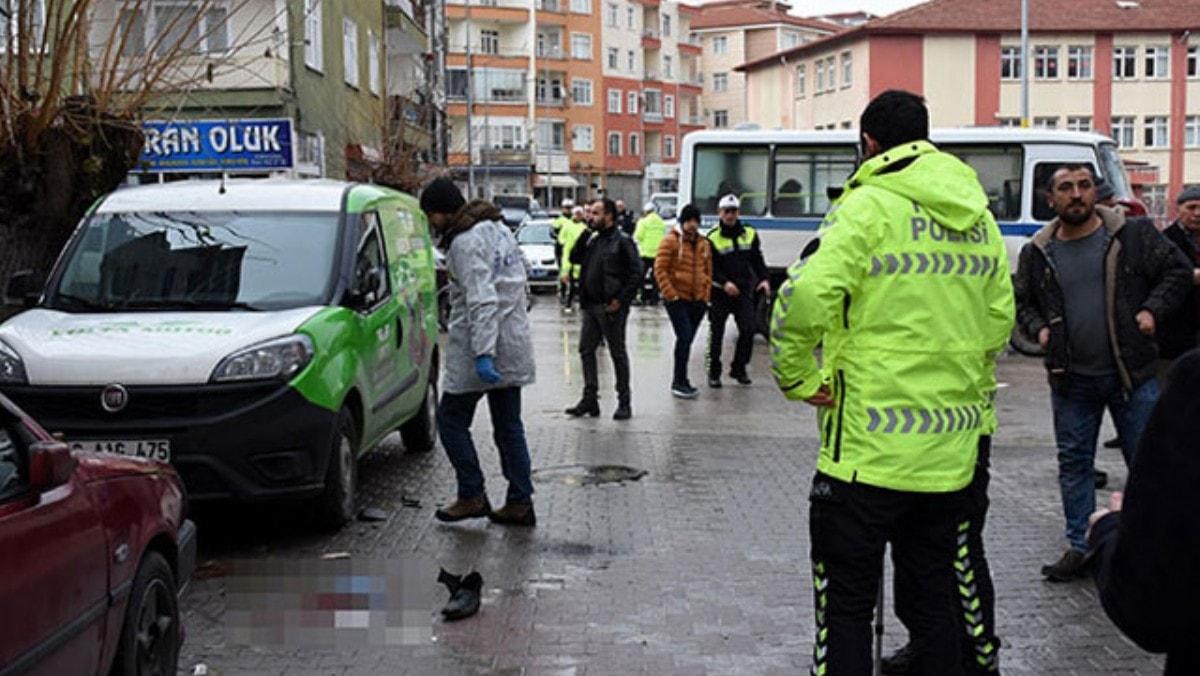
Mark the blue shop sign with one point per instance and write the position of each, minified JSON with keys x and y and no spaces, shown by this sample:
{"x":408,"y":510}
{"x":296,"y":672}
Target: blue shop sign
{"x":217,"y":145}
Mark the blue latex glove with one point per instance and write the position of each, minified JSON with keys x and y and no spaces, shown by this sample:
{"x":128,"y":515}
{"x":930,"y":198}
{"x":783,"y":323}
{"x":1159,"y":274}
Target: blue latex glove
{"x":485,"y":368}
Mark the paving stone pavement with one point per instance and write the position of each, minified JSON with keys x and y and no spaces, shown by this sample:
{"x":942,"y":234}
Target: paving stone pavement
{"x":700,"y":567}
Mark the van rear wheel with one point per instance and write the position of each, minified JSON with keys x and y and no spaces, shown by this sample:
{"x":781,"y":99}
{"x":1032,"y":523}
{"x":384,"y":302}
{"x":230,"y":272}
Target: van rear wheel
{"x":335,"y":506}
{"x":420,"y":434}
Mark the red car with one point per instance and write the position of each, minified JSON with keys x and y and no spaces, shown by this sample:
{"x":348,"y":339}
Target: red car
{"x":94,"y":553}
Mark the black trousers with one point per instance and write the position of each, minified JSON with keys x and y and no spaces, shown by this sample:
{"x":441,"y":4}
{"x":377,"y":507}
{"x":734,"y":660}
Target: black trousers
{"x":975,"y":609}
{"x":742,"y":309}
{"x":649,"y":282}
{"x":599,"y":324}
{"x":849,"y":526}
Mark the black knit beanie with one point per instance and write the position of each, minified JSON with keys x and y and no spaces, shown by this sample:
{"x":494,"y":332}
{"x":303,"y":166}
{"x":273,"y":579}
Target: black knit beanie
{"x":441,"y":196}
{"x":689,"y":213}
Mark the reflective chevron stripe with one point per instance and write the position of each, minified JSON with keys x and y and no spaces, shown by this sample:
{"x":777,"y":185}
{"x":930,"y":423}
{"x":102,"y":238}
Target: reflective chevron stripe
{"x":925,"y":421}
{"x":963,"y":265}
{"x":821,"y":645}
{"x":972,"y":606}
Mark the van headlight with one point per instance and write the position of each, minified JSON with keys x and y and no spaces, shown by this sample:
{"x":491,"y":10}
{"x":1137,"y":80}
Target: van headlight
{"x":279,"y":358}
{"x":12,"y":369}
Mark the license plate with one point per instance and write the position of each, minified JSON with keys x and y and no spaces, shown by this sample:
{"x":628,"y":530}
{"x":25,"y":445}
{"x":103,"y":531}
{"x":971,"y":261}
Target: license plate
{"x":155,"y":449}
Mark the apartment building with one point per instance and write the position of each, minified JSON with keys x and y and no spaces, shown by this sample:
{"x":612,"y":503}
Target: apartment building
{"x":733,"y":32}
{"x":265,"y":88}
{"x":1126,"y":68}
{"x":651,"y":94}
{"x":531,"y":74}
{"x":415,"y":74}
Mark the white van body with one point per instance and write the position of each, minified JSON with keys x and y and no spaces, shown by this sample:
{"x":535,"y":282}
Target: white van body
{"x":794,"y":168}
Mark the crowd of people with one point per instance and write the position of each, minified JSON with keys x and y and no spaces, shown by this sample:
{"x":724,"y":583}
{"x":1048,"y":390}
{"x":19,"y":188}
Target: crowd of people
{"x":905,"y":384}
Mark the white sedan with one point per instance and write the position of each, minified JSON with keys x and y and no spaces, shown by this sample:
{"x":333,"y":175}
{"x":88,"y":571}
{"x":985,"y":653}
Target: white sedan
{"x":536,"y":239}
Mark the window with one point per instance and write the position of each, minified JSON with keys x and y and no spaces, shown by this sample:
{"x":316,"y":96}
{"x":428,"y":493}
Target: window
{"x":1193,"y":61}
{"x":1045,"y":63}
{"x":633,"y":103}
{"x":666,"y":25}
{"x":1079,"y":123}
{"x":652,"y":103}
{"x":831,"y":72}
{"x":999,"y":169}
{"x":501,"y":134}
{"x":1122,"y":131}
{"x":614,"y":100}
{"x":791,"y":39}
{"x":350,"y":51}
{"x":1191,"y":131}
{"x":612,"y":15}
{"x":614,"y":143}
{"x":614,"y":56}
{"x":549,"y":44}
{"x":1155,"y":199}
{"x":581,"y":6}
{"x":668,"y":106}
{"x":630,"y":19}
{"x":668,"y":68}
{"x":581,"y":92}
{"x":14,"y":14}
{"x":371,"y":261}
{"x":720,"y":82}
{"x":1124,"y":63}
{"x":489,"y":42}
{"x":174,"y":26}
{"x":668,"y":146}
{"x":1045,"y":123}
{"x":551,"y":135}
{"x":1079,"y":63}
{"x":801,"y":77}
{"x":803,"y":174}
{"x":724,"y":170}
{"x":581,"y":46}
{"x":1158,"y":62}
{"x":582,"y":138}
{"x":498,"y":85}
{"x":373,"y":62}
{"x":820,"y":75}
{"x":720,"y":119}
{"x":631,"y":61}
{"x":720,"y":44}
{"x":1010,"y":63}
{"x":13,"y":481}
{"x":550,"y":91}
{"x":847,"y":69}
{"x":634,"y":144}
{"x":1009,"y":121}
{"x":1155,"y":132}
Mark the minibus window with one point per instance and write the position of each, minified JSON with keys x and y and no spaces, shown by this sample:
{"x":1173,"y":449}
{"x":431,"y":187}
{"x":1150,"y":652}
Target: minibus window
{"x":722,"y":170}
{"x":802,"y":176}
{"x":999,"y":169}
{"x":1113,"y":170}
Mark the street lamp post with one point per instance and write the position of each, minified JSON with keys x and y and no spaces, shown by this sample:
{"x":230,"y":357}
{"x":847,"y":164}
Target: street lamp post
{"x":1024,"y":63}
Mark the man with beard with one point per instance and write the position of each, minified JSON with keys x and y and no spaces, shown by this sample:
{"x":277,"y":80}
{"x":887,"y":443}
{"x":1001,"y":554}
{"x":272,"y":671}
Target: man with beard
{"x":610,"y":272}
{"x":1179,"y":331}
{"x":1093,"y":286}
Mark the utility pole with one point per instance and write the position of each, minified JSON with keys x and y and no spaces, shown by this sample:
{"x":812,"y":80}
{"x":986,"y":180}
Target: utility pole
{"x":1024,"y":63}
{"x":470,"y":112}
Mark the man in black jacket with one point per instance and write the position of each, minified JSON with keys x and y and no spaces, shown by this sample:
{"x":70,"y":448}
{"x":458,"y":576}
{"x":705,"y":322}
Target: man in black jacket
{"x":1147,"y":548}
{"x":625,"y":220}
{"x":1179,"y":331}
{"x":1092,"y":287}
{"x":739,"y":271}
{"x":609,"y":278}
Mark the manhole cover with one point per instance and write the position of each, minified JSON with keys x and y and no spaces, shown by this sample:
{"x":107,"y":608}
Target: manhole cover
{"x":588,"y":475}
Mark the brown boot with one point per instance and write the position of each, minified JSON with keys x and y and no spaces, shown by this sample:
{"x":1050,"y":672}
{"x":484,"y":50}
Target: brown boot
{"x":465,"y":508}
{"x":515,"y":514}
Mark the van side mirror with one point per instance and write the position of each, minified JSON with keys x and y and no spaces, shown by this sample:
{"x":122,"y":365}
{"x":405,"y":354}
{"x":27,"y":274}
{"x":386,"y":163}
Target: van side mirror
{"x":50,"y":465}
{"x":23,"y":289}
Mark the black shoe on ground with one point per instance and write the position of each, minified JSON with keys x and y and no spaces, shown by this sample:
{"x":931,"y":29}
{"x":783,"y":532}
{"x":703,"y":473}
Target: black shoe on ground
{"x":742,"y":379}
{"x":899,"y":662}
{"x":464,"y":595}
{"x":714,"y":382}
{"x":623,"y":412}
{"x":1100,"y":477}
{"x":1069,"y":567}
{"x":1115,"y":442}
{"x":514,"y":514}
{"x":685,"y":391}
{"x":464,"y":508}
{"x":583,"y":408}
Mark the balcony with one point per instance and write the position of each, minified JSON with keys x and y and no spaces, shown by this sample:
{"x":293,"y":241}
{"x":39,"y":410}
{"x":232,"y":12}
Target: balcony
{"x":552,"y":101}
{"x":651,"y":39}
{"x":505,"y":156}
{"x":690,"y":45}
{"x":652,"y":76}
{"x":652,"y":116}
{"x":692,"y":120}
{"x":555,"y":53}
{"x":504,"y":11}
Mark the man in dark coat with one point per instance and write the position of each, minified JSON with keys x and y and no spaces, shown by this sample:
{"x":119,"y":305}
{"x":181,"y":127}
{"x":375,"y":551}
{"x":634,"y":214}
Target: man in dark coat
{"x":1180,"y":328}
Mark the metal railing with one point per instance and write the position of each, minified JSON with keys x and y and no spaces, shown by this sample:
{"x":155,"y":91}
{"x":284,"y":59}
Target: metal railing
{"x":652,"y":116}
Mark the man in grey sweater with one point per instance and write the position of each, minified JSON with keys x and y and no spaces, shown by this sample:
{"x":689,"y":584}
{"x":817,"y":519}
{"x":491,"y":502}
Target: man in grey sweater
{"x":489,"y":351}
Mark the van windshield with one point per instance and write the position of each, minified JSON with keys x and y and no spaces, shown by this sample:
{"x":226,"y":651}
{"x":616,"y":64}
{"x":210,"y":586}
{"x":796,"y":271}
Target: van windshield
{"x":180,"y":260}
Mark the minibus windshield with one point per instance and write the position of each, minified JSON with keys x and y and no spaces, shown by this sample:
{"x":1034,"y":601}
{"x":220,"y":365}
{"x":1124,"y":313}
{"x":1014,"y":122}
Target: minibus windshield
{"x":199,"y":260}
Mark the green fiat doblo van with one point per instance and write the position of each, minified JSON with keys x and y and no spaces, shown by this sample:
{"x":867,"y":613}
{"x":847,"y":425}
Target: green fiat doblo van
{"x":259,"y":335}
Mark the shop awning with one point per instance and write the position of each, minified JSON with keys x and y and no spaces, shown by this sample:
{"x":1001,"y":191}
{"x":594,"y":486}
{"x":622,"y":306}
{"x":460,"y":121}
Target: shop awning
{"x":555,"y":181}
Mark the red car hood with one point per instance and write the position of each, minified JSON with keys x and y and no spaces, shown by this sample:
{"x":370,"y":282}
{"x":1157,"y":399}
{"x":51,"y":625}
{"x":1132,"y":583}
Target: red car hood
{"x":98,"y":467}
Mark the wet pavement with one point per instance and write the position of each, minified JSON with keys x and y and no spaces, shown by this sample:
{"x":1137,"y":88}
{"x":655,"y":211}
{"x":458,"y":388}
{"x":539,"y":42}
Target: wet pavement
{"x":675,"y":542}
